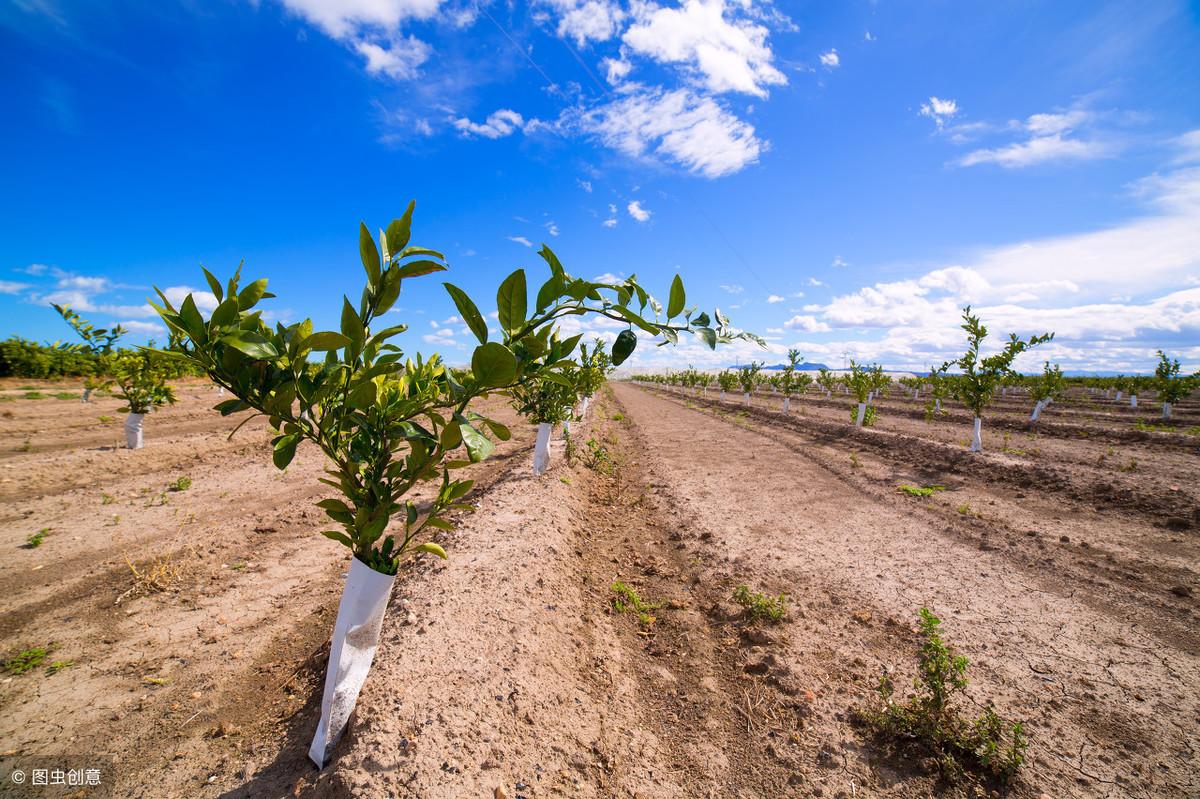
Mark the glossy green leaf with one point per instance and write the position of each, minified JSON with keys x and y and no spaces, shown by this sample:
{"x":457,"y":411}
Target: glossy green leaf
{"x":249,"y":296}
{"x":341,"y":538}
{"x":399,"y":231}
{"x":432,"y":549}
{"x":677,"y":299}
{"x":468,"y":311}
{"x":255,"y":345}
{"x":285,"y":450}
{"x":419,"y":268}
{"x":326,"y":340}
{"x":369,"y":254}
{"x":511,"y":301}
{"x":493,"y":365}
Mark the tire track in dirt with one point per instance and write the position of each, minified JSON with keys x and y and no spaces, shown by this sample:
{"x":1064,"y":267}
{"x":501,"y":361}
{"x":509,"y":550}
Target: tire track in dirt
{"x":1087,"y":684}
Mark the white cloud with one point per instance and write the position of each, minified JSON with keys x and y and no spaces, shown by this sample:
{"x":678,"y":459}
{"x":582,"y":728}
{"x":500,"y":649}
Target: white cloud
{"x":400,"y":59}
{"x":812,"y":281}
{"x":1048,"y":138}
{"x":607,"y":277}
{"x":939,"y":110}
{"x":636,"y":210}
{"x":499,"y":123}
{"x":143,"y":328}
{"x":372,"y":28}
{"x":869,"y":37}
{"x":679,"y":126}
{"x":588,"y":20}
{"x":521,"y":240}
{"x":12,"y":287}
{"x":838,"y":262}
{"x":204,"y":300}
{"x":733,"y":288}
{"x":586,"y":185}
{"x":616,"y":69}
{"x":611,"y":222}
{"x":806,"y":324}
{"x":719,"y":49}
{"x":552,"y":228}
{"x":774,"y":298}
{"x":830,"y":59}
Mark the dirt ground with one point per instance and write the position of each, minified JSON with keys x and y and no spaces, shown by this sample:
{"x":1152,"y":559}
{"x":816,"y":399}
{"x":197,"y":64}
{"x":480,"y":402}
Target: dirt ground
{"x":1068,"y":579}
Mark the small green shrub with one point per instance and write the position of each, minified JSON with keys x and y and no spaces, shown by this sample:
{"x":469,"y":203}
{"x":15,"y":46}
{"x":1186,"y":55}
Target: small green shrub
{"x":760,"y":607}
{"x":66,"y":395}
{"x":181,"y":484}
{"x":34,"y":541}
{"x":627,"y":600}
{"x":597,"y":457}
{"x":35,"y":395}
{"x":59,"y":665}
{"x":618,"y":417}
{"x":990,"y":744}
{"x":27,"y":660}
{"x":920,"y":491}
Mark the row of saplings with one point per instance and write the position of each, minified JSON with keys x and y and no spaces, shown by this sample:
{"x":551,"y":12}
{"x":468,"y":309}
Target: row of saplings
{"x":975,"y":385}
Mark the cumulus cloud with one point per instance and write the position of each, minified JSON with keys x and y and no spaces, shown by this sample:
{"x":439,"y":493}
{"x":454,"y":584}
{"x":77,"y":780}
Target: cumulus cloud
{"x":806,"y":324}
{"x":503,"y":122}
{"x":589,"y":20}
{"x":733,"y":288}
{"x":721,"y":49}
{"x":373,"y":29}
{"x":12,"y":287}
{"x":831,"y":59}
{"x":774,"y":298}
{"x":636,"y":210}
{"x":939,"y":110}
{"x":143,"y":328}
{"x":521,"y":240}
{"x":679,"y":126}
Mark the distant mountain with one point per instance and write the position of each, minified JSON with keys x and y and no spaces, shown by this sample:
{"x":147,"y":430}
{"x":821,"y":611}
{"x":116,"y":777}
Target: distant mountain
{"x":804,"y":367}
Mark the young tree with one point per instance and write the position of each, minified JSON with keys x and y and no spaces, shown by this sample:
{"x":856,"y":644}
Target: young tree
{"x":977,"y":384}
{"x":387,"y":423}
{"x":728,"y":380}
{"x":1170,"y":386}
{"x":827,"y":380}
{"x":594,"y":367}
{"x":141,"y":376}
{"x":939,"y":389}
{"x":545,"y":403}
{"x":788,"y":379}
{"x":98,"y":343}
{"x":861,"y":380}
{"x":748,"y":379}
{"x":1045,"y":388}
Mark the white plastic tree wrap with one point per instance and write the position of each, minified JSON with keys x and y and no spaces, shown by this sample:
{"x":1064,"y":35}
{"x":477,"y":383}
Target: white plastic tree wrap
{"x":977,"y":436}
{"x":541,"y":449}
{"x":133,"y":430}
{"x":861,"y":415}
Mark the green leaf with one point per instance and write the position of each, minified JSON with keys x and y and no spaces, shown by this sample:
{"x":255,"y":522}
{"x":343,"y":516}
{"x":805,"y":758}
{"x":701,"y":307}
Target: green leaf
{"x":389,"y":290}
{"x":493,"y":365}
{"x":511,"y":300}
{"x":189,"y":315}
{"x":708,"y":336}
{"x":468,"y":311}
{"x":285,"y":450}
{"x":363,"y":395}
{"x":325,"y":341}
{"x":678,"y":298}
{"x":253,"y":344}
{"x":399,"y":231}
{"x":226,"y":314}
{"x":432,"y":549}
{"x":478,"y":445}
{"x":498,"y":430}
{"x":550,"y":291}
{"x":623,"y":346}
{"x":352,"y":326}
{"x":249,"y":296}
{"x":341,"y":538}
{"x":213,"y":284}
{"x":230,"y":406}
{"x":369,"y":254}
{"x":419,"y":268}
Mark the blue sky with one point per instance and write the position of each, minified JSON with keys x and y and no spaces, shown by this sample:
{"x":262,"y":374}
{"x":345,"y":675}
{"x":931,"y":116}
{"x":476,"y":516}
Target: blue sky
{"x":838,"y":177}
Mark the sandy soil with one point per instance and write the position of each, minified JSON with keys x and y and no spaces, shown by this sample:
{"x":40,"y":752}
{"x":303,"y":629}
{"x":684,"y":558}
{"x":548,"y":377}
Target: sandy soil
{"x":507,"y":672}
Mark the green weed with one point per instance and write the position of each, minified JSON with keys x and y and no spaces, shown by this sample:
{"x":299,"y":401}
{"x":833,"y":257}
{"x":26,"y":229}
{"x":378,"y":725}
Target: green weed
{"x":181,"y":484}
{"x":760,"y":607}
{"x":627,"y":600}
{"x":34,"y":541}
{"x":920,"y":491}
{"x":27,"y":660}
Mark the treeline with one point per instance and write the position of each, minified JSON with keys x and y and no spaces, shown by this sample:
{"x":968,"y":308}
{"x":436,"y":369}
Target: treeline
{"x":21,"y":357}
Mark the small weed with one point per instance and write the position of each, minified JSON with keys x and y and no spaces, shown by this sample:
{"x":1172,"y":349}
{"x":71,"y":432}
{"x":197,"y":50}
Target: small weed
{"x":107,"y":499}
{"x":854,"y":462}
{"x":114,"y":521}
{"x":565,"y":480}
{"x":989,"y":744}
{"x":155,"y":680}
{"x":181,"y":484}
{"x":106,"y":419}
{"x":597,"y":457}
{"x":26,"y":446}
{"x":760,"y":607}
{"x":627,"y":600}
{"x":27,"y":660}
{"x":1132,"y":466}
{"x":35,"y":395}
{"x":154,"y":575}
{"x":1150,"y":427}
{"x":66,"y":395}
{"x":920,"y":491}
{"x":59,"y":665}
{"x":34,"y":541}
{"x":618,"y":417}
{"x":238,"y":567}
